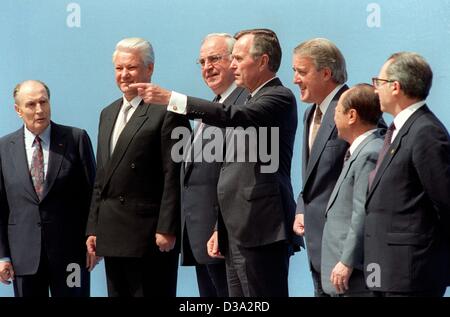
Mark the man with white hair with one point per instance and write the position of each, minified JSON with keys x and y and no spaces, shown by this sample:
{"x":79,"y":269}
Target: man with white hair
{"x":134,"y":216}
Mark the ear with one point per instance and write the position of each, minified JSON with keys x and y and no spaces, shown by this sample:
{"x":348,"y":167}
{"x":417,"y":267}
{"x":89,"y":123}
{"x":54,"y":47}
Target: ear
{"x":18,"y":110}
{"x":396,"y":88}
{"x":352,"y":116}
{"x":150,"y":68}
{"x":327,"y":73}
{"x":264,"y":61}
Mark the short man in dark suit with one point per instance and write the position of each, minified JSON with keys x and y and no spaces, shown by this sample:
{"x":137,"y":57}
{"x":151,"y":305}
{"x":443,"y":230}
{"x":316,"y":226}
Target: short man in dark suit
{"x":199,"y":178}
{"x":407,"y":227}
{"x":47,"y":173}
{"x":356,"y":117}
{"x":135,"y":212}
{"x":255,"y":199}
{"x":320,"y":72}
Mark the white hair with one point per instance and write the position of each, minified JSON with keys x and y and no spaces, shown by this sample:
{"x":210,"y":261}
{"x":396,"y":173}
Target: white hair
{"x":144,"y":48}
{"x":229,"y":39}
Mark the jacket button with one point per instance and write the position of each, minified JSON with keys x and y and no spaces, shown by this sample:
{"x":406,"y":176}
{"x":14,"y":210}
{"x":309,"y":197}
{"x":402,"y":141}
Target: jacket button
{"x":132,"y":165}
{"x":121,"y":199}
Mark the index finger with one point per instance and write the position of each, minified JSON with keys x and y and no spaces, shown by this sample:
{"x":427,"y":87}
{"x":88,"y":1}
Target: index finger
{"x":139,"y":85}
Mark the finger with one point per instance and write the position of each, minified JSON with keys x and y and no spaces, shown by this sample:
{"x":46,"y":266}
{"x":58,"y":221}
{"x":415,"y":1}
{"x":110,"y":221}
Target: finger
{"x":138,"y":85}
{"x":346,"y":284}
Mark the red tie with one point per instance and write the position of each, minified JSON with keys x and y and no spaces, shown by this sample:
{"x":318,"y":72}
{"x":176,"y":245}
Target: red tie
{"x":37,"y":167}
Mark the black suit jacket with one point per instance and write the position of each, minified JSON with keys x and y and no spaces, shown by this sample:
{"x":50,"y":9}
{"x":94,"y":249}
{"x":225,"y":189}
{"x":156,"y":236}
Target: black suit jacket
{"x":257,"y":208}
{"x":58,"y":221}
{"x":320,"y":171}
{"x":407,"y":226}
{"x":199,"y":203}
{"x":137,"y":188}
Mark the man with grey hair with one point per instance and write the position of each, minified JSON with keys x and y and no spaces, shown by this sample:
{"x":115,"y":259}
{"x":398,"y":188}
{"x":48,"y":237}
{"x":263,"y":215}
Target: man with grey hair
{"x":47,"y":173}
{"x":134,"y":217}
{"x":256,"y":207}
{"x":199,"y":202}
{"x":320,"y":72}
{"x":407,"y":226}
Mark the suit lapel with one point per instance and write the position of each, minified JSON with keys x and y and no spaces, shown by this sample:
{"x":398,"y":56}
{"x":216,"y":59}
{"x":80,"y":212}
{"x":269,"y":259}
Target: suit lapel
{"x":20,"y":162}
{"x":395,"y":147}
{"x":55,"y":157}
{"x":108,"y":126}
{"x":134,"y":124}
{"x":346,"y":169}
{"x":308,"y":115}
{"x":326,"y":129}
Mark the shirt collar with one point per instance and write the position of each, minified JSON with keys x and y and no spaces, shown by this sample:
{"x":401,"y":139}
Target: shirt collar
{"x":404,"y":115}
{"x":44,"y":136}
{"x":134,"y":102}
{"x":360,"y":139}
{"x":326,"y":102}
{"x":227,"y":92}
{"x":259,"y":88}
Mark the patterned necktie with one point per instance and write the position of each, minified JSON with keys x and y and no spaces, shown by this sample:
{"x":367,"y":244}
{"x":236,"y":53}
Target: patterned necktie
{"x":383,"y":151}
{"x":121,"y":122}
{"x":37,"y":167}
{"x":347,"y":155}
{"x":315,"y":128}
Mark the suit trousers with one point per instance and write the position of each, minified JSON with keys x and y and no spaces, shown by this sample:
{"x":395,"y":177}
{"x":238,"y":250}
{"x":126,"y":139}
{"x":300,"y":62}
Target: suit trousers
{"x":52,"y":276}
{"x":317,"y":281}
{"x":259,"y":271}
{"x":153,"y":275}
{"x":212,"y":280}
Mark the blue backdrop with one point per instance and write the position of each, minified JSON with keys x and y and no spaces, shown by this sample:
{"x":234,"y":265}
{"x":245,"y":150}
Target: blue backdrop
{"x":68,"y":45}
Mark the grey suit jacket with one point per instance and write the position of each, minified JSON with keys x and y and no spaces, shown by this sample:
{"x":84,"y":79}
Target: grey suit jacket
{"x":343,"y":234}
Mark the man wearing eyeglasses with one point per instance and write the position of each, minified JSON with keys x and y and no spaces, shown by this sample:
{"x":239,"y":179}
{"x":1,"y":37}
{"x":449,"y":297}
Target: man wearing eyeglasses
{"x":407,"y":226}
{"x":257,"y":207}
{"x":199,"y":204}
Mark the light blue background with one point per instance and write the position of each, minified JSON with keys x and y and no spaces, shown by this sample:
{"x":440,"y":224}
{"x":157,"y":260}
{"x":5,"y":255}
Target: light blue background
{"x":36,"y":43}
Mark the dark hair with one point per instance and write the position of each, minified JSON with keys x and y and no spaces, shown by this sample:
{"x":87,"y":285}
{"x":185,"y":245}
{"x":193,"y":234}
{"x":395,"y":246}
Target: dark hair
{"x":365,"y":101}
{"x":265,"y":42}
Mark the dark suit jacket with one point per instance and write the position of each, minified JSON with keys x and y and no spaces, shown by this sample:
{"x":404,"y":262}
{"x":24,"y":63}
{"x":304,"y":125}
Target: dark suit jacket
{"x":343,"y":234}
{"x":137,"y":188}
{"x":320,"y":172}
{"x":257,"y":208}
{"x":199,"y":204}
{"x":407,"y":227}
{"x":58,"y":222}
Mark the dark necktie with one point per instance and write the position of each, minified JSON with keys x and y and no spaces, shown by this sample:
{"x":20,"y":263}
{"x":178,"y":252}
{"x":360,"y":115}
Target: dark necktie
{"x":37,"y":167}
{"x":217,"y":98}
{"x":383,"y":151}
{"x":347,"y":155}
{"x":248,"y":98}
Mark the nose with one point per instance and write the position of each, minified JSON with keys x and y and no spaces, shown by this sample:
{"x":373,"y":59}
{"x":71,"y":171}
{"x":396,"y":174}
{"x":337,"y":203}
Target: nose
{"x":297,"y":78}
{"x":233,"y":64}
{"x":124,"y":72}
{"x":38,"y":107}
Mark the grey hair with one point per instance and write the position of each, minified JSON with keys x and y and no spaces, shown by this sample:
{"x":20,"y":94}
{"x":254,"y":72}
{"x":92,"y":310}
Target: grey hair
{"x":229,"y":39}
{"x":143,"y":46}
{"x":19,"y":85}
{"x":324,"y":54}
{"x":412,"y":72}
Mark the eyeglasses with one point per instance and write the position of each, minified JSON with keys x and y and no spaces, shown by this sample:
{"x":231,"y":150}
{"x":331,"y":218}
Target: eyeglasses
{"x":213,"y":59}
{"x":378,"y":82}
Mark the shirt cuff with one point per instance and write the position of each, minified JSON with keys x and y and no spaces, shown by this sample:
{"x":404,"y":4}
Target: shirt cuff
{"x":177,"y":103}
{"x":6,"y":259}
